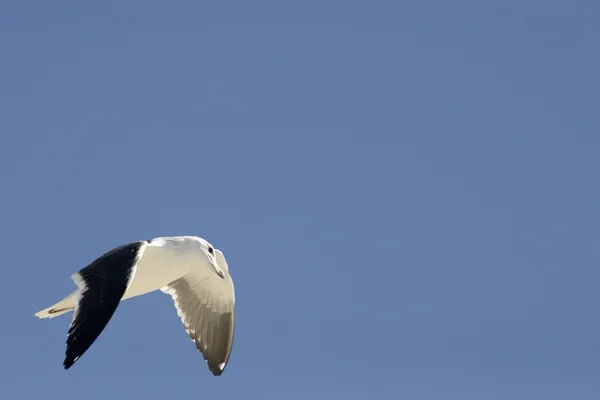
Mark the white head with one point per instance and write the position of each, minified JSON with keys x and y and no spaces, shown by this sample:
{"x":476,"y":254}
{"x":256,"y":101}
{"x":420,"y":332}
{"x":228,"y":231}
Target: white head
{"x":211,"y":254}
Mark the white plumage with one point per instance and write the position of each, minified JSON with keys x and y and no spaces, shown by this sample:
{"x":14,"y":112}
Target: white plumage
{"x":188,"y":268}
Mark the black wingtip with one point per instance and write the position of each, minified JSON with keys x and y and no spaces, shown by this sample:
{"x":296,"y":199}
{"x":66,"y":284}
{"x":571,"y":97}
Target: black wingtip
{"x":106,"y":280}
{"x":214,"y":368}
{"x":69,"y":361}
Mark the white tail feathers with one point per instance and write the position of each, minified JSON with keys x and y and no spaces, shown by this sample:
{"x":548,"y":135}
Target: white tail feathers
{"x":52,"y":312}
{"x":64,"y":306}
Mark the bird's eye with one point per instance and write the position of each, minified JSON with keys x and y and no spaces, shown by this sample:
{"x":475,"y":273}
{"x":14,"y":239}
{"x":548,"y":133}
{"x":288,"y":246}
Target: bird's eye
{"x":210,"y":250}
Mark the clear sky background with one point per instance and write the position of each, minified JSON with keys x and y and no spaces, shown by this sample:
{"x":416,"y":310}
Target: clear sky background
{"x":406,"y":192}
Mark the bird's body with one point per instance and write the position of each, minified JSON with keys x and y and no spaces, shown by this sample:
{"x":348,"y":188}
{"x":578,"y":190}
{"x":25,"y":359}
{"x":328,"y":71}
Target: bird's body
{"x":188,"y":268}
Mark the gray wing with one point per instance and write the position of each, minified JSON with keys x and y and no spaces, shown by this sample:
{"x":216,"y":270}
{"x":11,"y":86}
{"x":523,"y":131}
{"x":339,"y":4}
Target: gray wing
{"x":205,"y":303}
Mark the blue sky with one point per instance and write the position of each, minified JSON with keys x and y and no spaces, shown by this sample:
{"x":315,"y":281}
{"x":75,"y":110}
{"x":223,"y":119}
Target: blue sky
{"x":406,"y":192}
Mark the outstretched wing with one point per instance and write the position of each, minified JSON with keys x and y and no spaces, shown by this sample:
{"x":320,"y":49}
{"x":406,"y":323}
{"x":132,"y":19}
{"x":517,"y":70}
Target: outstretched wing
{"x":102,"y":285}
{"x":205,"y":304}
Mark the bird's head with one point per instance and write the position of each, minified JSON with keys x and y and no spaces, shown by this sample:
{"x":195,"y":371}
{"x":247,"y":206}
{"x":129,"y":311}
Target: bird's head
{"x":211,"y":255}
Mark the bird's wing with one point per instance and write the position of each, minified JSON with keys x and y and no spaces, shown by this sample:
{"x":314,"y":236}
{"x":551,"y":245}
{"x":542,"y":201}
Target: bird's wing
{"x":205,"y":304}
{"x":102,"y":284}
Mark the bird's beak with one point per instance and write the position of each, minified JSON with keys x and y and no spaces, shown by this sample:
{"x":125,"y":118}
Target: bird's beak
{"x":216,"y":267}
{"x":220,"y":272}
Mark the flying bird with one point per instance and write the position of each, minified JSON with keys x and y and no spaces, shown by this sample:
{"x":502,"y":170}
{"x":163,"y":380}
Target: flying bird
{"x":188,"y":268}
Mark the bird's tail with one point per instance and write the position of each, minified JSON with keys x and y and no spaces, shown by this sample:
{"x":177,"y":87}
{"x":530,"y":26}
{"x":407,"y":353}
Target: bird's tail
{"x":64,"y":306}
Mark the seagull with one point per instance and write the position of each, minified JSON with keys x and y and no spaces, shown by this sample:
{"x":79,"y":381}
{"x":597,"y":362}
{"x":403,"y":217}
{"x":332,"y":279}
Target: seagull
{"x":188,"y":268}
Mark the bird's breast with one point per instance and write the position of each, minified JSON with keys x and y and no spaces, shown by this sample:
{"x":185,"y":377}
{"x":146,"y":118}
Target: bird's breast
{"x":157,"y":268}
